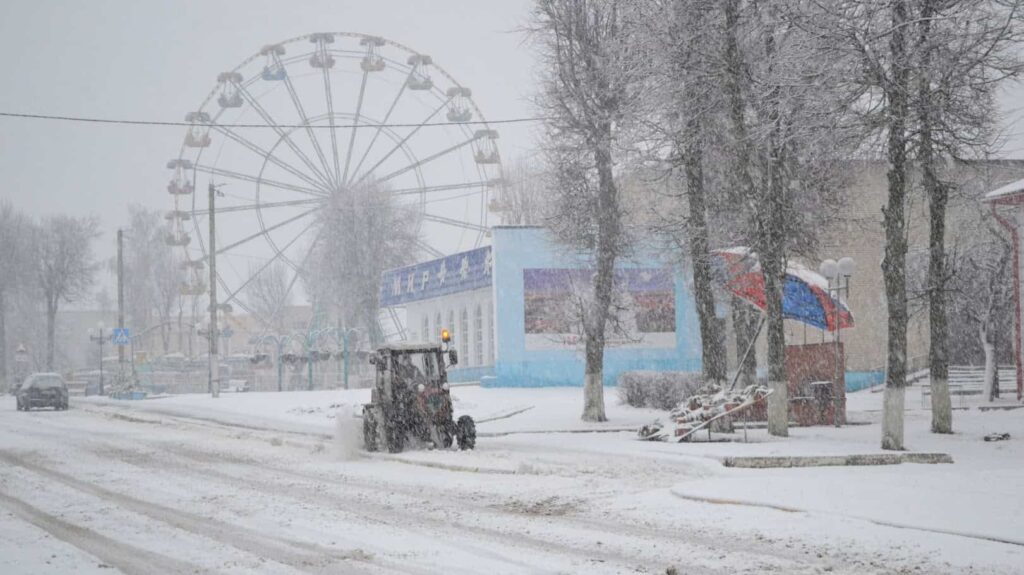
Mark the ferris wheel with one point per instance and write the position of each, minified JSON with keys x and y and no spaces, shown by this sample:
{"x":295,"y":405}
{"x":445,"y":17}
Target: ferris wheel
{"x":294,"y":129}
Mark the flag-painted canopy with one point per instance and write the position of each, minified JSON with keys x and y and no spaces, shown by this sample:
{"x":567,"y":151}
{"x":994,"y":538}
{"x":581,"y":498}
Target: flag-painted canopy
{"x":805,"y":296}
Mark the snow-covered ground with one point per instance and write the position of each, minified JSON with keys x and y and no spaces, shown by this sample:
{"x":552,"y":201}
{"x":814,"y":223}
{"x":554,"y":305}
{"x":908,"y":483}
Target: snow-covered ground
{"x":271,"y":483}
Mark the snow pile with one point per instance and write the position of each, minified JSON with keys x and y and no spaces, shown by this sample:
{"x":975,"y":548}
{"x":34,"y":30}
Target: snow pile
{"x":348,"y":433}
{"x":714,"y":402}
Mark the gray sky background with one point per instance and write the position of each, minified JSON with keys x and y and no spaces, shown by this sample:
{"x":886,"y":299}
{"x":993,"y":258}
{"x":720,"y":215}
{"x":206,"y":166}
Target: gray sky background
{"x":157,"y":60}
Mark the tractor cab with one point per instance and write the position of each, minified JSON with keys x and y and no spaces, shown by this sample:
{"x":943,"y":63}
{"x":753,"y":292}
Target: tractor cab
{"x":411,"y":401}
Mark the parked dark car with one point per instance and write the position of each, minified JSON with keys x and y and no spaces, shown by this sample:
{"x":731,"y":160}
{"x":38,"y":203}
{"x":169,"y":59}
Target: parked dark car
{"x":43,"y":390}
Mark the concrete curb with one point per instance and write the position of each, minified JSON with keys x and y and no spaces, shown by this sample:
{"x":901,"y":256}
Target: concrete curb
{"x":555,"y":431}
{"x":775,"y":462}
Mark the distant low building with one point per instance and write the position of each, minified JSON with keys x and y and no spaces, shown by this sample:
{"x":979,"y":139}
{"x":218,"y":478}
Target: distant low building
{"x":512,"y":311}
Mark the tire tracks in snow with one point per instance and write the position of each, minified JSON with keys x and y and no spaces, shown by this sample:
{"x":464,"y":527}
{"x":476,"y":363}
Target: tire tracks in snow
{"x":303,"y":556}
{"x":671,"y":539}
{"x":667,"y":537}
{"x":681,"y":541}
{"x":127,"y":558}
{"x":129,"y":452}
{"x":503,"y":545}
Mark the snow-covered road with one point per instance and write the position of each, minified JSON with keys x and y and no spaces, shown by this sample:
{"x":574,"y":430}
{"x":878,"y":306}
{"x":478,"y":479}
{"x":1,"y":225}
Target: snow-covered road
{"x":100,"y":487}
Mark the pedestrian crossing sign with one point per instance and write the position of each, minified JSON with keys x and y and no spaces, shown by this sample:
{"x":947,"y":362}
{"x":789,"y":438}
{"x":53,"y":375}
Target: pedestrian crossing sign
{"x":120,"y":336}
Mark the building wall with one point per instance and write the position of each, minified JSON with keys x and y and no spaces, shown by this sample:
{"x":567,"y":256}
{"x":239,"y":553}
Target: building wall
{"x":520,"y":248}
{"x":858,"y":233}
{"x":474,"y":341}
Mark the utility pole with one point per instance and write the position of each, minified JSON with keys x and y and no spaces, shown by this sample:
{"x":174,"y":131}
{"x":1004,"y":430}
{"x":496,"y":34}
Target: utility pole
{"x":120,"y":303}
{"x":214,"y":332}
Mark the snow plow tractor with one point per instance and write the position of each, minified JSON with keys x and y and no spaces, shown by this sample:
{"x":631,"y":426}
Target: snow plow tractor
{"x":410,"y":403}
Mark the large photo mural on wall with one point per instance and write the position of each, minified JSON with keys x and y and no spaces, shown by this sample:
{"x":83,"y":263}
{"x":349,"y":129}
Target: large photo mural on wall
{"x":643,"y":302}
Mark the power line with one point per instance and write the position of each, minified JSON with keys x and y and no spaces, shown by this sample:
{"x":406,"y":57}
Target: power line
{"x":83,"y":119}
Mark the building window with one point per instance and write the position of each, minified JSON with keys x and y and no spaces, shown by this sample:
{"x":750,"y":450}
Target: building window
{"x":464,"y":335}
{"x":478,"y":335}
{"x":451,"y":325}
{"x":437,"y":327}
{"x":426,"y":327}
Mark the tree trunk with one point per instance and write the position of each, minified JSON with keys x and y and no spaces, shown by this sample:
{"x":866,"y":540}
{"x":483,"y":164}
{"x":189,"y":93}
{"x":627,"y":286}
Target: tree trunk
{"x":744,"y":326}
{"x":892,"y":417}
{"x":772,"y":236}
{"x":778,"y":401}
{"x":894,"y":261}
{"x":938,"y":197}
{"x":743,"y":197}
{"x":712,"y":352}
{"x":51,"y":331}
{"x":607,"y":249}
{"x":995,"y":365}
{"x":991,"y":369}
{"x":3,"y":341}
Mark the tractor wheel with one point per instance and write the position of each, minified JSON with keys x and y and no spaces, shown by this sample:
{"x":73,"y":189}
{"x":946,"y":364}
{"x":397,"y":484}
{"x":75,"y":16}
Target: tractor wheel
{"x":465,"y":432}
{"x":447,"y":436}
{"x":369,"y":430}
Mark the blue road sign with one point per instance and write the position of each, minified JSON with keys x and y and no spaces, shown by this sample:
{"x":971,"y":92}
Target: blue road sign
{"x":120,"y":336}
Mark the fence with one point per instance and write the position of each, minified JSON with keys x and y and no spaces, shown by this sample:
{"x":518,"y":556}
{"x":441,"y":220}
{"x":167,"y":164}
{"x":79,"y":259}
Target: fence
{"x":196,"y":381}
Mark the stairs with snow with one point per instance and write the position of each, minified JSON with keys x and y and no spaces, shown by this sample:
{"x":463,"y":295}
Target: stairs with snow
{"x":966,"y":380}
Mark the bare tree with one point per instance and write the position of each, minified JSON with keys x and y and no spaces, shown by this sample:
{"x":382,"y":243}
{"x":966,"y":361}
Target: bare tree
{"x":963,"y":50}
{"x":168,"y":277}
{"x":268,"y":294}
{"x":688,"y":33}
{"x":877,"y":37}
{"x":982,"y":281}
{"x":926,"y":71}
{"x":153,"y":275}
{"x":361,"y":234}
{"x":895,"y":84}
{"x":16,"y":268}
{"x":589,"y":75}
{"x":66,"y":270}
{"x":786,"y":138}
{"x":524,"y":199}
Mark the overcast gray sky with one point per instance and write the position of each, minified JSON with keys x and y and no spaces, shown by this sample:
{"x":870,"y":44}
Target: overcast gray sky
{"x":157,"y":60}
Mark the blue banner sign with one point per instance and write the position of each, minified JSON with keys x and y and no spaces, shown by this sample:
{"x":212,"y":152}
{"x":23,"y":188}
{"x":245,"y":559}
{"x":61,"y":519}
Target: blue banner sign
{"x":456,"y":273}
{"x":121,"y":336}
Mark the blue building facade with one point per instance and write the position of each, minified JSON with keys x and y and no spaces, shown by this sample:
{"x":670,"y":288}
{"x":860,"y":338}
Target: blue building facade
{"x":512,"y":308}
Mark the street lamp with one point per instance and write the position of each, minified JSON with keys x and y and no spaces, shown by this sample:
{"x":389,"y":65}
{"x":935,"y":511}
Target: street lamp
{"x":97,"y":336}
{"x":312,"y":355}
{"x":309,"y":342}
{"x":344,"y":334}
{"x":280,"y":341}
{"x":838,"y":276}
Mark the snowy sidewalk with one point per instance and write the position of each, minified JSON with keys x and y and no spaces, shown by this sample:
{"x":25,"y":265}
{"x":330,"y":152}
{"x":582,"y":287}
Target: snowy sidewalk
{"x":978,"y":495}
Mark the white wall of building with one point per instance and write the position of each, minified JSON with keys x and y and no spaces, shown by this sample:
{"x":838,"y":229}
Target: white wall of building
{"x":468,"y":316}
